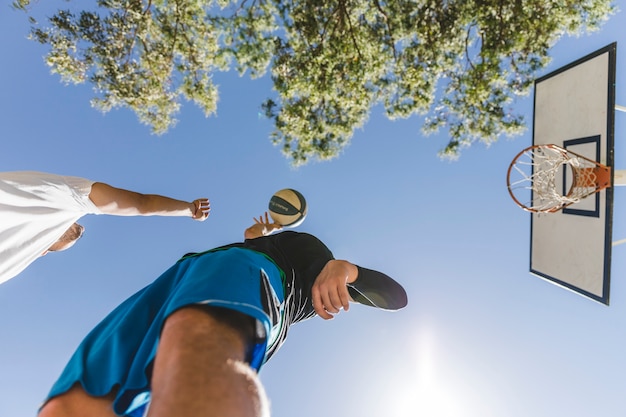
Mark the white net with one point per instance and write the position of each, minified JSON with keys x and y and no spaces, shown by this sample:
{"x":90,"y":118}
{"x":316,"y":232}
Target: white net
{"x":537,"y":178}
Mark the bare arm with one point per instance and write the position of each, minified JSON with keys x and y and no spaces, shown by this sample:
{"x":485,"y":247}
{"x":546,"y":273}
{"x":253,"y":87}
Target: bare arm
{"x":119,"y":202}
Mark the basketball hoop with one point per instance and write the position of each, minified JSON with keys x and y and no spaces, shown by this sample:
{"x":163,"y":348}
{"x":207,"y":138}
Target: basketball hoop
{"x":541,"y":168}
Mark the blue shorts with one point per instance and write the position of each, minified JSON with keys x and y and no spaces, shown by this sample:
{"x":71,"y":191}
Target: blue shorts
{"x":120,"y":350}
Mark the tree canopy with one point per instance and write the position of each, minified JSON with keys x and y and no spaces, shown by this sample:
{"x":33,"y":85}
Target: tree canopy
{"x":460,"y":63}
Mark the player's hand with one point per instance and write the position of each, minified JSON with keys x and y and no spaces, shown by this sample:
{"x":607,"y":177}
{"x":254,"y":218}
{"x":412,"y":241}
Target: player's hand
{"x":201,"y":209}
{"x":266,"y":226}
{"x":330,"y":291}
{"x":261,"y":227}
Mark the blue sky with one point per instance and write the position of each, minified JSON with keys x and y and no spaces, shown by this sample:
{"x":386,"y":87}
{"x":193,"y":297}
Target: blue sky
{"x":480,"y":337}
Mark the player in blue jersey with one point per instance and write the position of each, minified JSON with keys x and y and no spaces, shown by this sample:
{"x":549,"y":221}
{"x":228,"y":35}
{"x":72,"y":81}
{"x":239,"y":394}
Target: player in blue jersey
{"x":191,"y":342}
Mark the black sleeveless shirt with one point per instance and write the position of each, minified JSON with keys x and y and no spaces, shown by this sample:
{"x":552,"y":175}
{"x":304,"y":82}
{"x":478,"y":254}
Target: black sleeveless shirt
{"x":302,"y":257}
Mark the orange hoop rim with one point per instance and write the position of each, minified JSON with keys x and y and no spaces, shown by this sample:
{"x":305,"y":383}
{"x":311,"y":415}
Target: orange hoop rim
{"x":602,"y":172}
{"x":508,"y":176}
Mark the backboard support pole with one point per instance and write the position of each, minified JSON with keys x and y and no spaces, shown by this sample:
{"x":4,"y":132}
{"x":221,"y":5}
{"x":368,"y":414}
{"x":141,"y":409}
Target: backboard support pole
{"x":620,"y":108}
{"x":619,"y":177}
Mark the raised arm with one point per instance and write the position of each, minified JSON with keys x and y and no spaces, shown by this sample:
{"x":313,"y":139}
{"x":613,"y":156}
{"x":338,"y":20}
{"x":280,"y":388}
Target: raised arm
{"x":261,"y":227}
{"x":119,"y":202}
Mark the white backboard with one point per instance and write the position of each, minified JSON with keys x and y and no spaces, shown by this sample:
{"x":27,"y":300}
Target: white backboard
{"x":574,"y":108}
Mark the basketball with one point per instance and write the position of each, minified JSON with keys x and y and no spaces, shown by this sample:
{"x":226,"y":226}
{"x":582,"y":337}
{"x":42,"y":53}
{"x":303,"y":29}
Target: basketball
{"x":288,"y":207}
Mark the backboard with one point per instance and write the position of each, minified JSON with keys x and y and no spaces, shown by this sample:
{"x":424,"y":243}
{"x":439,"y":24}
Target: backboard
{"x":574,"y":108}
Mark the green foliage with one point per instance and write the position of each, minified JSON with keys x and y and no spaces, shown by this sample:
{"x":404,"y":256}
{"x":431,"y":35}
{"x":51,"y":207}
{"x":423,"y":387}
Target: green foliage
{"x":136,"y":55}
{"x":460,"y":63}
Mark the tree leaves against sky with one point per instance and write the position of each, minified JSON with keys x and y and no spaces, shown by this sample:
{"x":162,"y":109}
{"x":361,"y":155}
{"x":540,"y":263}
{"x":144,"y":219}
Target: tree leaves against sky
{"x":459,"y":63}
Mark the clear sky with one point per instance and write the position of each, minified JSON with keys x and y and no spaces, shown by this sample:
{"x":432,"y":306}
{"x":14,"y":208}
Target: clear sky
{"x":481,"y":337}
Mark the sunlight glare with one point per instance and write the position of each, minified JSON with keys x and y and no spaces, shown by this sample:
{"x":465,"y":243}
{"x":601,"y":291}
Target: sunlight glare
{"x":437,"y":390}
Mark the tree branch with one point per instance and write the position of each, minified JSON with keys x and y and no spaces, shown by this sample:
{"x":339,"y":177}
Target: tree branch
{"x":388,"y":24}
{"x":344,"y":12}
{"x":129,"y":54}
{"x":467,"y":37}
{"x":176,"y":24}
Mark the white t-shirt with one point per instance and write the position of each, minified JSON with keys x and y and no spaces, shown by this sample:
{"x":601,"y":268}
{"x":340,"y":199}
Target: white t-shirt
{"x":36,"y":208}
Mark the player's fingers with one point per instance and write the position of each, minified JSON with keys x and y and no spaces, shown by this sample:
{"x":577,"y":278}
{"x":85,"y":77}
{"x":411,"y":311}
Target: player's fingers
{"x":199,"y":212}
{"x":204,"y":205}
{"x":344,"y":296}
{"x":332,"y":301}
{"x":318,"y":304}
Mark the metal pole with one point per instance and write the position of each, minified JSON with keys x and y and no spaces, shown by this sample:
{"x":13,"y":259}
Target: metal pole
{"x":619,"y":242}
{"x":619,"y":177}
{"x":620,"y":108}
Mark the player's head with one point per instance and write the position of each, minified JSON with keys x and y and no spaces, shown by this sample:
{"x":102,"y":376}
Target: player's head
{"x":68,"y":238}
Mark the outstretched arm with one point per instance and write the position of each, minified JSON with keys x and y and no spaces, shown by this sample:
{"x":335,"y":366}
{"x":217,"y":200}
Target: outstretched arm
{"x":119,"y":202}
